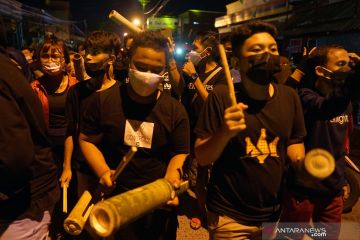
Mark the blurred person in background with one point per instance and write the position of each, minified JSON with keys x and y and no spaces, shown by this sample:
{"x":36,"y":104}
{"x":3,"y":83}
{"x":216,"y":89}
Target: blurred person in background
{"x":28,"y":181}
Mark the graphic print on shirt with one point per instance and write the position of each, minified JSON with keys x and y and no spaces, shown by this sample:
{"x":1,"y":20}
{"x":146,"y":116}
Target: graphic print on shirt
{"x":342,"y":119}
{"x":263,"y":149}
{"x":138,"y":134}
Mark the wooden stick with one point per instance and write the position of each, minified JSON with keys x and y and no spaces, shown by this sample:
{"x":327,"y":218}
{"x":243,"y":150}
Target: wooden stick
{"x":65,"y":199}
{"x":126,"y":159}
{"x":119,"y":19}
{"x":75,"y":222}
{"x":227,"y":74}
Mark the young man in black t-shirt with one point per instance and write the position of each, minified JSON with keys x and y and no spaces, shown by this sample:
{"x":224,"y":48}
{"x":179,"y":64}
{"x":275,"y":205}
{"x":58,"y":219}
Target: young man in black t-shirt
{"x":202,"y":74}
{"x":328,"y":114}
{"x":248,"y":142}
{"x":138,"y":114}
{"x":101,"y":48}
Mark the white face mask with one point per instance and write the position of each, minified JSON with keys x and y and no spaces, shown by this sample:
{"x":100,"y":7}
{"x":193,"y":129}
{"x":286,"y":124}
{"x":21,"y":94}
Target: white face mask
{"x":144,"y":83}
{"x":52,"y":68}
{"x":194,"y":57}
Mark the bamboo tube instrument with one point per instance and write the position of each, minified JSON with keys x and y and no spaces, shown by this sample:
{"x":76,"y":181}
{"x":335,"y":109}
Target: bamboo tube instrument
{"x":119,"y":19}
{"x":108,"y":216}
{"x":75,"y":222}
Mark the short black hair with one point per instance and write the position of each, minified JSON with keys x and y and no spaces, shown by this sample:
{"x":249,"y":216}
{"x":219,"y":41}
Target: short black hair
{"x":150,"y":39}
{"x":104,"y":41}
{"x":320,"y":54}
{"x":248,"y":29}
{"x":209,"y":39}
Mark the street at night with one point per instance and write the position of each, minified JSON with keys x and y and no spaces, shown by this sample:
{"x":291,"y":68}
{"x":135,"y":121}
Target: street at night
{"x":179,"y":119}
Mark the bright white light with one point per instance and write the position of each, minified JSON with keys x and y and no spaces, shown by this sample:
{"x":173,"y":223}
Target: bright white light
{"x":136,"y":21}
{"x":196,"y":23}
{"x":179,"y":51}
{"x":125,"y":34}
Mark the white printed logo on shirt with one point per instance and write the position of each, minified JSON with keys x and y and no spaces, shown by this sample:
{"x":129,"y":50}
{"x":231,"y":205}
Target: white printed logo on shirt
{"x":138,"y":134}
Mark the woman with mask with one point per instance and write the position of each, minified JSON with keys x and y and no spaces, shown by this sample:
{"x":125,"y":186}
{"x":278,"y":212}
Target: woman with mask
{"x":52,"y":88}
{"x":249,"y":142}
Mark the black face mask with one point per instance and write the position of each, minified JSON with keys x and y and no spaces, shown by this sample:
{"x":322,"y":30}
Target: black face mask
{"x":262,"y":67}
{"x":97,"y":72}
{"x":337,"y":77}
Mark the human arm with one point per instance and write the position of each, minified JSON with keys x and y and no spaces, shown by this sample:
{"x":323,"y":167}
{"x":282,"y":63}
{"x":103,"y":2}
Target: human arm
{"x":189,"y":70}
{"x":95,"y":158}
{"x":208,"y":150}
{"x":174,"y":173}
{"x":324,"y":107}
{"x":174,"y":74}
{"x":66,"y":174}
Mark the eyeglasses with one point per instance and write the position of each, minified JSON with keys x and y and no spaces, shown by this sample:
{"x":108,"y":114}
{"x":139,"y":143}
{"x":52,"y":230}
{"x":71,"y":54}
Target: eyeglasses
{"x":54,"y":57}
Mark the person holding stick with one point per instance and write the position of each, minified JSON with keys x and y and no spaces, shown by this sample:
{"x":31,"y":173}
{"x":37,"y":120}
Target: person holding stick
{"x":202,"y":73}
{"x":139,"y":114}
{"x":248,"y":139}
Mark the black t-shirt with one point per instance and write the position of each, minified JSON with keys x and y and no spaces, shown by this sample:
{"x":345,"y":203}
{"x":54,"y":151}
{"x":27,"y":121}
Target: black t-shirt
{"x":57,"y":121}
{"x":193,"y":102}
{"x":78,"y":99}
{"x":160,"y":130}
{"x":246,"y":180}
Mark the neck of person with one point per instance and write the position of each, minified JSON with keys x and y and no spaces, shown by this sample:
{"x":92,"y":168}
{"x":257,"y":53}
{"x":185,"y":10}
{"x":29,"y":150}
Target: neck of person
{"x":64,"y":82}
{"x":209,"y":66}
{"x":142,"y":99}
{"x":107,"y":82}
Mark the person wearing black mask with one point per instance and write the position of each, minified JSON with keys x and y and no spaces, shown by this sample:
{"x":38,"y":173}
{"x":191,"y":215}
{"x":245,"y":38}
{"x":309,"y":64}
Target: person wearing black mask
{"x":248,"y":143}
{"x":100,"y":50}
{"x":328,"y":109}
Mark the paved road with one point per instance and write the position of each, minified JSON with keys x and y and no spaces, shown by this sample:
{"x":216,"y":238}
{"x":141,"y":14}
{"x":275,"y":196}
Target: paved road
{"x":350,"y":229}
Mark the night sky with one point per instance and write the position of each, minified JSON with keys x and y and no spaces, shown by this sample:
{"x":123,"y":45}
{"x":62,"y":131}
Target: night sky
{"x":95,"y":12}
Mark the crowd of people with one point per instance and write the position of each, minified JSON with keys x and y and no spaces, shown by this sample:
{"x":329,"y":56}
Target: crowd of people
{"x":70,"y":116}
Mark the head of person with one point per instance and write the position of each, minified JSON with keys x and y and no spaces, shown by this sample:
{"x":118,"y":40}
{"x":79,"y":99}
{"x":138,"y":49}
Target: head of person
{"x":100,"y":50}
{"x":254,"y":44}
{"x":53,"y":56}
{"x":147,"y":67}
{"x":21,"y":63}
{"x":28,"y":53}
{"x":128,"y":40}
{"x":81,"y":49}
{"x":332,"y":66}
{"x":226,"y":42}
{"x":204,"y":48}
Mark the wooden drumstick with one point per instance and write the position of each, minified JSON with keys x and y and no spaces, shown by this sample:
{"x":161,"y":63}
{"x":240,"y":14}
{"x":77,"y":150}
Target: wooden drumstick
{"x":65,"y":198}
{"x":227,"y":74}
